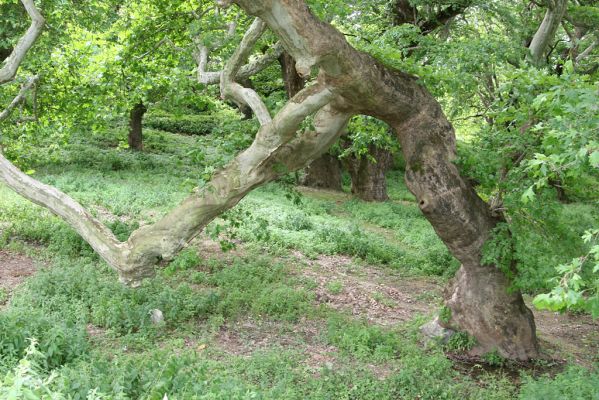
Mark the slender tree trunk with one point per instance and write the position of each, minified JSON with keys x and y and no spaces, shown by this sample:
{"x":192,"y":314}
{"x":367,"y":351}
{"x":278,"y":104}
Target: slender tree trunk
{"x":367,"y":177}
{"x":136,"y":126}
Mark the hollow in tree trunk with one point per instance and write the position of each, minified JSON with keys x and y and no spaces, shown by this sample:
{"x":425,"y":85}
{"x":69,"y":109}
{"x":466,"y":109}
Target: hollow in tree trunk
{"x":367,"y":177}
{"x":136,"y":126}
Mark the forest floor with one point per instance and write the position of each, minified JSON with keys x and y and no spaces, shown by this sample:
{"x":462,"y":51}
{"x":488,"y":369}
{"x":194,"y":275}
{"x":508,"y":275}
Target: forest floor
{"x":321,"y":296}
{"x":379,"y":296}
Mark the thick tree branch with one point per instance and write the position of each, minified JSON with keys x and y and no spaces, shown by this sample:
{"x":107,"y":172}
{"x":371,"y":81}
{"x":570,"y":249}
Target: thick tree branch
{"x":542,"y":39}
{"x":12,"y":63}
{"x":587,"y":52}
{"x":91,"y":230}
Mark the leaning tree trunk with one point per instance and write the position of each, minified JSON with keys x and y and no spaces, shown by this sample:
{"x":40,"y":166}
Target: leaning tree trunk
{"x":324,"y":172}
{"x":481,"y":300}
{"x":136,"y":116}
{"x":349,"y":83}
{"x":556,"y":10}
{"x":368,"y":180}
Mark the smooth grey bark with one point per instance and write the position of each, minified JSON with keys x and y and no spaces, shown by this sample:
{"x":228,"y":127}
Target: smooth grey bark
{"x":325,"y":171}
{"x":12,"y":63}
{"x":544,"y":35}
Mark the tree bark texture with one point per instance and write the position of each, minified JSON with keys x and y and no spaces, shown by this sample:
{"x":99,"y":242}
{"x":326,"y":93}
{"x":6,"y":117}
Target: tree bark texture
{"x":349,"y":83}
{"x":368,"y":180}
{"x":323,"y":173}
{"x":546,"y":32}
{"x":136,"y":116}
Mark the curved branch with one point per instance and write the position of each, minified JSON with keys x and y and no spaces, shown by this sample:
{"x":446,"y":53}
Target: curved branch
{"x":12,"y":63}
{"x":234,"y":91}
{"x":91,"y":230}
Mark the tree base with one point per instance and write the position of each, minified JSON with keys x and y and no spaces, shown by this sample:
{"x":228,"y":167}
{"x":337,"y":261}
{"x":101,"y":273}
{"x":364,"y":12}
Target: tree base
{"x":482,"y":305}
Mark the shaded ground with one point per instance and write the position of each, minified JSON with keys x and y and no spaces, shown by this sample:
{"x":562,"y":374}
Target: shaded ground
{"x":383,"y":297}
{"x":380,"y":296}
{"x":14,"y":268}
{"x":568,"y":335}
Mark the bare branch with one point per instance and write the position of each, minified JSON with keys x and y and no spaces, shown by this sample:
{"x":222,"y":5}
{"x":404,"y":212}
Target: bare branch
{"x":234,"y":91}
{"x":12,"y":63}
{"x":94,"y":232}
{"x":20,"y":97}
{"x":260,"y":63}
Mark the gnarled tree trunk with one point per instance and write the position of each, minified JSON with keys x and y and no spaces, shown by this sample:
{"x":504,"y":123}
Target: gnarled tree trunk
{"x":368,"y":180}
{"x":349,"y":83}
{"x":136,"y":116}
{"x":480,"y":300}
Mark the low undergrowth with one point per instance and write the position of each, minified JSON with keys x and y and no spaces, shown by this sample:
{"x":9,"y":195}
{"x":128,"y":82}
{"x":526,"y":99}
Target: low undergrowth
{"x":94,"y":338}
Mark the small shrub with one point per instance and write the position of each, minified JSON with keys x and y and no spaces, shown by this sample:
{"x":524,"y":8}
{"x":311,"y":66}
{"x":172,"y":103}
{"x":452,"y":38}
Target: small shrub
{"x":185,"y":260}
{"x":362,"y":340}
{"x":460,"y":342}
{"x":58,"y":342}
{"x":335,"y":287}
{"x":186,"y":124}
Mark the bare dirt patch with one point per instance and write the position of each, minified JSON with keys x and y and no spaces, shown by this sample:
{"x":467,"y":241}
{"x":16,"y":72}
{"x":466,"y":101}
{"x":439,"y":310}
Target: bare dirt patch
{"x":380,"y":296}
{"x":14,"y":268}
{"x":247,"y":335}
{"x":569,"y":335}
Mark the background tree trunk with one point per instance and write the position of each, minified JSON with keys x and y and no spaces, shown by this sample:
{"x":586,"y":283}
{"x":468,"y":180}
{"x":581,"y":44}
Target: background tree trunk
{"x":136,"y":125}
{"x":292,"y":80}
{"x":367,"y":177}
{"x":4,"y":53}
{"x":324,"y":172}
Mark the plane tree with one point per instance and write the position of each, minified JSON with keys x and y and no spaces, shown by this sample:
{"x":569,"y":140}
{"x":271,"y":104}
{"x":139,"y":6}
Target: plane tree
{"x":345,"y":83}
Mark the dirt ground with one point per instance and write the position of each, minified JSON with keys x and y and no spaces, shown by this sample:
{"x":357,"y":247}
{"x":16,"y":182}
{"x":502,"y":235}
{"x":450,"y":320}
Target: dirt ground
{"x":14,"y":268}
{"x":384,"y":297}
{"x":378,"y":295}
